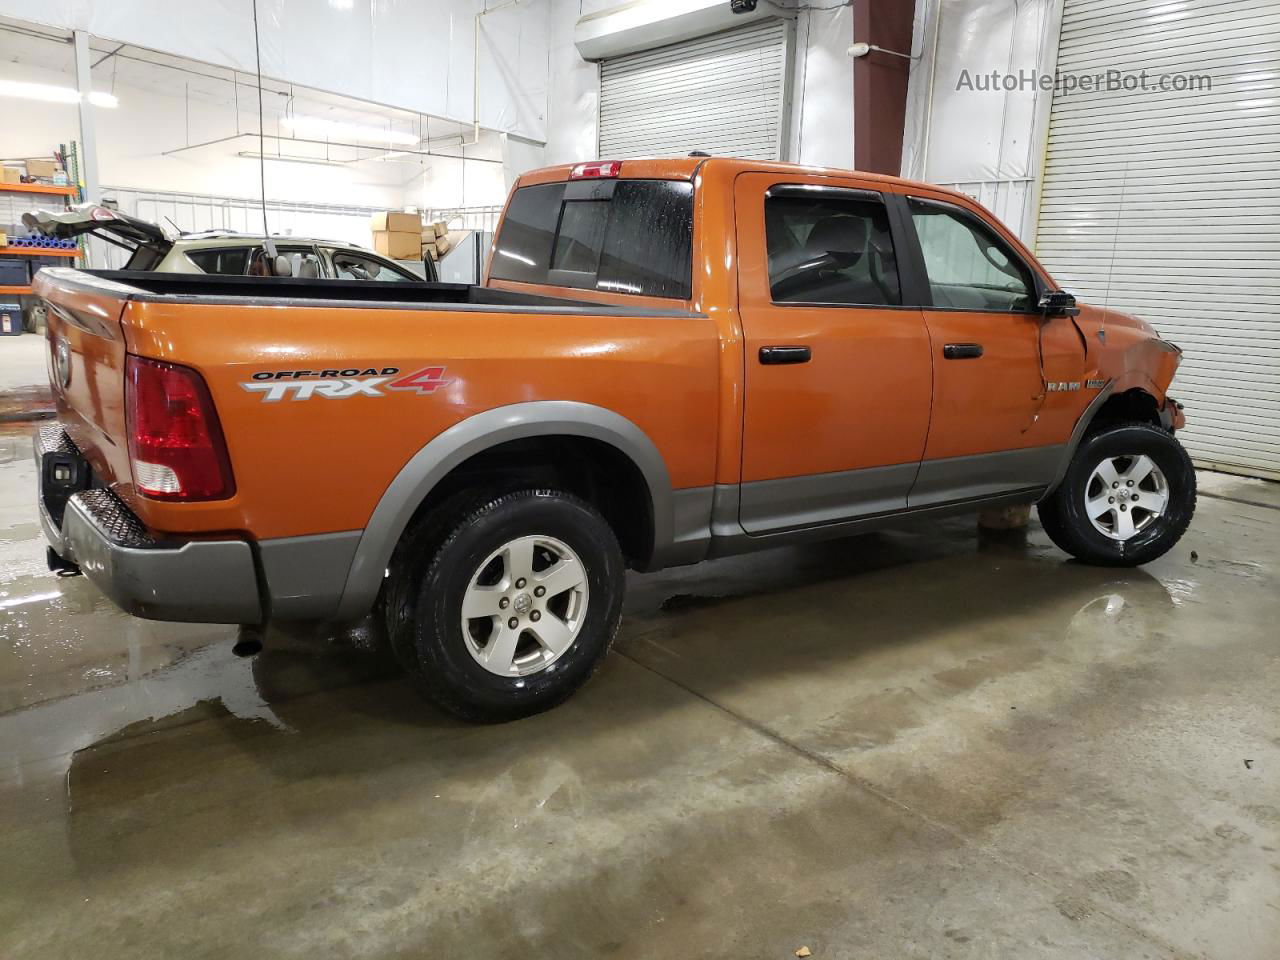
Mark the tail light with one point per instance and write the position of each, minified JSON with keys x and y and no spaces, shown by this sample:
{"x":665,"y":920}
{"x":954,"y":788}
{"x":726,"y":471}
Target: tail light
{"x":175,"y":441}
{"x":595,"y":171}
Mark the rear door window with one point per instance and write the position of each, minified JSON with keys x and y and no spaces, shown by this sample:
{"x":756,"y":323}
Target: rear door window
{"x":227,"y":262}
{"x":622,"y":236}
{"x":355,"y":266}
{"x":830,"y":247}
{"x":302,"y":262}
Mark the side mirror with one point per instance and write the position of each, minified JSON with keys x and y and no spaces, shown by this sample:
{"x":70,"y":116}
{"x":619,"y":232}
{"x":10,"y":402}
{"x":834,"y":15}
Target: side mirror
{"x":1058,"y":303}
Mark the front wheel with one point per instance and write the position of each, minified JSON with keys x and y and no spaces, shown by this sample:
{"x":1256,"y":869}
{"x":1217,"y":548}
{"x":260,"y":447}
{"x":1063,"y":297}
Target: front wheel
{"x":507,"y":609}
{"x":1128,"y":496}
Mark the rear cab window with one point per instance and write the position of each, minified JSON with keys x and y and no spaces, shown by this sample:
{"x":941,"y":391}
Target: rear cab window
{"x":617,"y":236}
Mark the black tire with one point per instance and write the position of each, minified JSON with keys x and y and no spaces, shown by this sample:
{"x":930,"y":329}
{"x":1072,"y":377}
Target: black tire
{"x":1066,"y":520}
{"x":433,"y":568}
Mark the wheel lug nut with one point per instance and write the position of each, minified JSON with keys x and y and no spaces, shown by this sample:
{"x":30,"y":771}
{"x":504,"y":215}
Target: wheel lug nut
{"x":1123,"y":508}
{"x":1111,"y":499}
{"x":535,"y":616}
{"x":513,"y":623}
{"x":520,"y":584}
{"x":539,"y":591}
{"x":1115,"y":485}
{"x":1131,"y":483}
{"x":504,"y":603}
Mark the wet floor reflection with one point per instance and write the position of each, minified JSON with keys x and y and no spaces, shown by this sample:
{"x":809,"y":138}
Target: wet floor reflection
{"x":992,"y":690}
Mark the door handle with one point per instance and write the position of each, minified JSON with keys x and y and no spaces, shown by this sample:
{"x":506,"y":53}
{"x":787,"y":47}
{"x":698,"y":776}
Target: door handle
{"x":962,"y":351}
{"x":770,"y":356}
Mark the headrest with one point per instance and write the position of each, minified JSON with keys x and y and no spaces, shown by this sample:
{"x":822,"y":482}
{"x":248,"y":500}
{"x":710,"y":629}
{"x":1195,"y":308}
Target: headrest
{"x":841,"y":236}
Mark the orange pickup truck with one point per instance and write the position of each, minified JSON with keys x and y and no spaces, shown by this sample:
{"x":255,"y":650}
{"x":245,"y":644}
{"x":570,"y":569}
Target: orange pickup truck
{"x":669,"y":360}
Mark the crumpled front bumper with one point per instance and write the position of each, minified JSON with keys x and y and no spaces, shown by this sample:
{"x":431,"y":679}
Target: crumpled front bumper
{"x":197,"y":581}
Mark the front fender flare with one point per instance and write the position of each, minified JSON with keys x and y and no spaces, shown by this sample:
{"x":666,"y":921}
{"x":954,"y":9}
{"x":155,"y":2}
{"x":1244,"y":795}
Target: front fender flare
{"x":472,"y":436}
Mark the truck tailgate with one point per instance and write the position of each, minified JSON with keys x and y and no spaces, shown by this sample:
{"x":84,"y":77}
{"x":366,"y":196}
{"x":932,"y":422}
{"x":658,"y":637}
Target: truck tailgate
{"x":87,"y":366}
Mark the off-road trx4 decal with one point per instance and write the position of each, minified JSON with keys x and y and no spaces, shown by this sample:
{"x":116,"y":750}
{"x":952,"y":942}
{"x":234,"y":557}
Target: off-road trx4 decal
{"x":340,"y":384}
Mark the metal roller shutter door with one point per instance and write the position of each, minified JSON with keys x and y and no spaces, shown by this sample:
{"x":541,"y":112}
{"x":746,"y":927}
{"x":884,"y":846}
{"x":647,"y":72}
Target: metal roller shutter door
{"x":1186,"y":186}
{"x":723,"y":94}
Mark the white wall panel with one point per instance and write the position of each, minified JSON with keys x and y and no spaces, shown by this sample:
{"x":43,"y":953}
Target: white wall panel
{"x":403,"y":53}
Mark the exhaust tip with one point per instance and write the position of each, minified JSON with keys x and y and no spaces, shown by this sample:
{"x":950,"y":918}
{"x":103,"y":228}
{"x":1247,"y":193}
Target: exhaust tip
{"x":248,"y":642}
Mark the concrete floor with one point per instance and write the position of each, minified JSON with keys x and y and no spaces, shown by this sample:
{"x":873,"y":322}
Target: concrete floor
{"x":920,"y":744}
{"x":24,"y":377}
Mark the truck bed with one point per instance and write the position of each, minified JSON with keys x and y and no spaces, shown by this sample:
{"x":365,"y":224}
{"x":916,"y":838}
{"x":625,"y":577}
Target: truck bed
{"x":147,"y":286}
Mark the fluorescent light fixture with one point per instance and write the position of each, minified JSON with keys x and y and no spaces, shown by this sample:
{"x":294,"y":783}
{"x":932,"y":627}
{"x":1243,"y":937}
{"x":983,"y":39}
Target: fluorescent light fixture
{"x":395,"y":157}
{"x":255,"y":155}
{"x":337,"y":130}
{"x":52,"y":94}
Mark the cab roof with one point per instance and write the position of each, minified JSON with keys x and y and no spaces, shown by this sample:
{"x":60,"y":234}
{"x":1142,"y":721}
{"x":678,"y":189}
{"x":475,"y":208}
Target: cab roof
{"x":685,"y":168}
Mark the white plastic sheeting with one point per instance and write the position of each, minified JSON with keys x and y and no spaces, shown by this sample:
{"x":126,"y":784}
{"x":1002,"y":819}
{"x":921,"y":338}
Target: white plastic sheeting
{"x":573,"y":97}
{"x":989,"y":141}
{"x":822,"y":89}
{"x":404,"y":53}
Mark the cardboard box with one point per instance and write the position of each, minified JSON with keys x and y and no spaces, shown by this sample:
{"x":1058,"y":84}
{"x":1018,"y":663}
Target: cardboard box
{"x":443,"y":246}
{"x":398,"y":245}
{"x":429,"y":250}
{"x":42,"y":169}
{"x":10,"y":175}
{"x":393,"y":221}
{"x":440,"y":227}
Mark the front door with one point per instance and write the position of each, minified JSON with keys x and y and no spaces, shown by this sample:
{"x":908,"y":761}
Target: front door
{"x":838,"y":374}
{"x":1007,"y":380}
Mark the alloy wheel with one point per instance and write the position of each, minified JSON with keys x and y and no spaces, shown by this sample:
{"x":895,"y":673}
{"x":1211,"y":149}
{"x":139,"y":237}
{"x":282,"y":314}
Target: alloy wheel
{"x":524,"y":606}
{"x":1125,"y":496}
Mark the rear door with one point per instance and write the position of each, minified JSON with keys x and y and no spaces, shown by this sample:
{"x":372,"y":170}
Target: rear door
{"x":838,"y":376}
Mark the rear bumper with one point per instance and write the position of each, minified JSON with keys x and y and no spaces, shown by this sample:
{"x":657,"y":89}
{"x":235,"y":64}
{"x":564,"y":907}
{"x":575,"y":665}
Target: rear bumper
{"x":197,"y":581}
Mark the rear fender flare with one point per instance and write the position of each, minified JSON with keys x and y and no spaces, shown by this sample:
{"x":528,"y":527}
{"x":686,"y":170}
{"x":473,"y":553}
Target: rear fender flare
{"x":474,"y":435}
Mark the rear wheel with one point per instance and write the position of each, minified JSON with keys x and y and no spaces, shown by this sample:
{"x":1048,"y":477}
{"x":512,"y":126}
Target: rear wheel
{"x":1127,"y":497}
{"x":505,"y":608}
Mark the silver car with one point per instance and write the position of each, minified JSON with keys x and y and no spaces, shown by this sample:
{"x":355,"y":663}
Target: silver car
{"x":222,"y":252}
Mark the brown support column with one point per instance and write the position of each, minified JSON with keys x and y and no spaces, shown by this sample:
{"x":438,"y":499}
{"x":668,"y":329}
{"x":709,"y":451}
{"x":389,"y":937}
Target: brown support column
{"x":880,"y":83}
